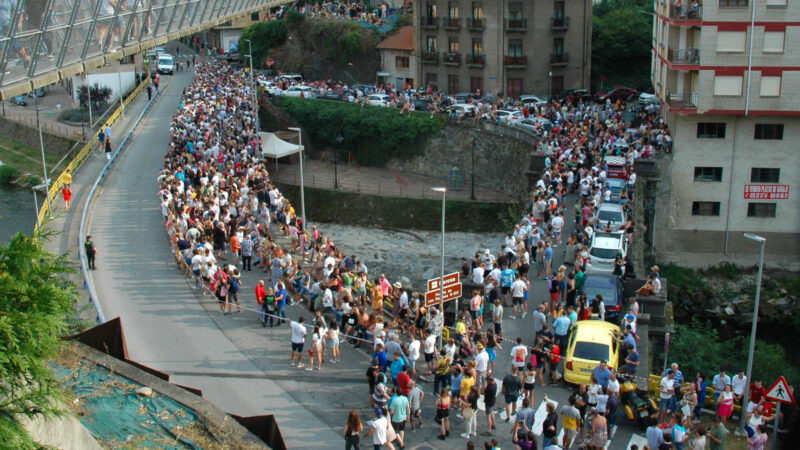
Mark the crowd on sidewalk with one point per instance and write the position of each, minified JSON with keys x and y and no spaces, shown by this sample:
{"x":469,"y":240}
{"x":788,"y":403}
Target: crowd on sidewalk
{"x":225,"y":217}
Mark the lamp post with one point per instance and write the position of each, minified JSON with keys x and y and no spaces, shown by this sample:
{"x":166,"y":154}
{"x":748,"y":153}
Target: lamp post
{"x":119,"y":80}
{"x":339,"y":140}
{"x":746,"y":396}
{"x":550,"y":89}
{"x":44,"y":186}
{"x":41,"y":147}
{"x":302,"y":184}
{"x":441,"y":280}
{"x":472,"y":187}
{"x":253,"y":86}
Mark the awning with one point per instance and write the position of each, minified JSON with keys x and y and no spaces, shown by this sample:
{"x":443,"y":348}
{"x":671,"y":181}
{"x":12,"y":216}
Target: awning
{"x":274,"y":147}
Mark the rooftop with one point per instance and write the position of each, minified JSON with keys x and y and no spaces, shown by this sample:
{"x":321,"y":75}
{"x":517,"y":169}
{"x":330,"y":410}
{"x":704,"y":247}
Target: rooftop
{"x":402,"y":40}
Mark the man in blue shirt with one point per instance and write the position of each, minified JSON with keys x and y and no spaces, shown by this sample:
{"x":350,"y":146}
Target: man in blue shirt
{"x":280,"y":301}
{"x":561,"y":328}
{"x":548,"y":259}
{"x":602,"y":374}
{"x":506,"y":280}
{"x":380,"y":355}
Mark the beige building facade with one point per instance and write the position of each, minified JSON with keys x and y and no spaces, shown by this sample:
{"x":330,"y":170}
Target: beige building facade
{"x":513,"y":47}
{"x":398,"y":64}
{"x":728,"y":74}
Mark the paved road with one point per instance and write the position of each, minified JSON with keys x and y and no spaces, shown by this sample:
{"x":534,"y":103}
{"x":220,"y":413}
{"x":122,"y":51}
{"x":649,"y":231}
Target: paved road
{"x":240,"y":366}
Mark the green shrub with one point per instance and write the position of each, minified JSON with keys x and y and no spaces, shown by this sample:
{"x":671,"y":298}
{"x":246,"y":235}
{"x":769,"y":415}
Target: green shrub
{"x":8,"y":174}
{"x":373,"y":135}
{"x":263,"y":36}
{"x":294,"y":17}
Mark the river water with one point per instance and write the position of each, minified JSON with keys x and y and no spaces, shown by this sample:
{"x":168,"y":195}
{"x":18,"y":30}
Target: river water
{"x":16,"y":212}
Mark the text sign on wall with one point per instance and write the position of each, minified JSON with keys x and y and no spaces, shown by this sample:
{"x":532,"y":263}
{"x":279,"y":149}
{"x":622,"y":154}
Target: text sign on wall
{"x":766,"y":191}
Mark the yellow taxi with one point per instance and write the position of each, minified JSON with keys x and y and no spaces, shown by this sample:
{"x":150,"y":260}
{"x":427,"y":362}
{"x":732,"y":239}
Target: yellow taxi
{"x":589,"y":342}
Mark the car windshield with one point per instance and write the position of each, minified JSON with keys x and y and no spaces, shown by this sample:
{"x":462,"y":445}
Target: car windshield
{"x":591,"y":351}
{"x":165,"y":61}
{"x":604,"y":253}
{"x":609,"y":295}
{"x":609,"y":216}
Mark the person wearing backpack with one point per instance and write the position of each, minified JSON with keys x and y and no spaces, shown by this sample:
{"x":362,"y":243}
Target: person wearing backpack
{"x":233,"y":291}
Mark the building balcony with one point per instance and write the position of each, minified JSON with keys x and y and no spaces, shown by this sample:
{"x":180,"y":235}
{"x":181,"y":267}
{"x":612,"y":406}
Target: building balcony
{"x":689,"y":56}
{"x":429,"y":23}
{"x":516,"y":25}
{"x":430,"y":57}
{"x":681,"y":101}
{"x":451,"y":59}
{"x":685,"y":13}
{"x":559,"y":59}
{"x":476,"y":60}
{"x":559,"y":23}
{"x":451,"y":23}
{"x":515,"y":62}
{"x":476,"y":24}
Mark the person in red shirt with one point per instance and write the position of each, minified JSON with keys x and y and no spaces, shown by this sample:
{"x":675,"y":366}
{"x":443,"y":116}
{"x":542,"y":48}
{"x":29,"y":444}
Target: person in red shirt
{"x":67,"y":193}
{"x":403,"y":380}
{"x":260,"y":294}
{"x":757,"y":392}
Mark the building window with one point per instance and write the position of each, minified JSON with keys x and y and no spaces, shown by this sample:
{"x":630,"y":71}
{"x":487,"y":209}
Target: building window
{"x":727,"y":3}
{"x":515,"y":48}
{"x":773,"y":41}
{"x":765,"y":175}
{"x":477,"y":47}
{"x":770,"y":86}
{"x":708,"y":174}
{"x":430,"y":80}
{"x":430,"y":10}
{"x":711,"y":130}
{"x":452,"y":84}
{"x":453,"y":44}
{"x":453,"y":10}
{"x":476,"y":84}
{"x":558,"y":10}
{"x":477,"y":10}
{"x":731,"y":41}
{"x":727,"y":85}
{"x":558,"y":46}
{"x":771,"y":131}
{"x":254,"y":16}
{"x":515,"y":11}
{"x":761,"y":209}
{"x":514,"y":87}
{"x":431,"y":43}
{"x":774,"y":3}
{"x":401,"y":62}
{"x":705,"y":208}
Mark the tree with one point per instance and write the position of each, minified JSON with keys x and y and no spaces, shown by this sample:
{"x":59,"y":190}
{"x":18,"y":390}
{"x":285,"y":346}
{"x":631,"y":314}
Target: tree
{"x":35,"y":301}
{"x":263,"y":36}
{"x":100,"y":95}
{"x":622,"y":35}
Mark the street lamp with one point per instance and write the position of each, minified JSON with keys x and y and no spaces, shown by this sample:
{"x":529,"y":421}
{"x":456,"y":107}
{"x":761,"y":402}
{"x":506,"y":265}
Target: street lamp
{"x":41,"y":146}
{"x":746,"y":396}
{"x":441,"y":280}
{"x":472,"y":187}
{"x":253,"y":85}
{"x":339,"y":140}
{"x":119,"y":80}
{"x":39,"y":187}
{"x":302,"y":184}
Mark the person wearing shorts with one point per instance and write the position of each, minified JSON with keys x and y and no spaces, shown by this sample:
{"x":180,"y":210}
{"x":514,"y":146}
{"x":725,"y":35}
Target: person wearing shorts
{"x":298,"y":339}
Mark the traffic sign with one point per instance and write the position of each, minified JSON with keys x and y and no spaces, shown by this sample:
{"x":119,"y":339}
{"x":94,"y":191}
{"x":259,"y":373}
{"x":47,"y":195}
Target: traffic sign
{"x":780,"y":392}
{"x":450,"y":292}
{"x":449,"y":279}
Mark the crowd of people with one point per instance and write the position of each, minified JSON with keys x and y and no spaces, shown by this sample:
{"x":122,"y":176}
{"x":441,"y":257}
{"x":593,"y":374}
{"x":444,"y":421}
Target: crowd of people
{"x":356,"y":11}
{"x":225,"y":217}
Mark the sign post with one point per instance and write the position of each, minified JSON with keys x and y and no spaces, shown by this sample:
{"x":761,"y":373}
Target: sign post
{"x":443,"y":289}
{"x":779,"y":393}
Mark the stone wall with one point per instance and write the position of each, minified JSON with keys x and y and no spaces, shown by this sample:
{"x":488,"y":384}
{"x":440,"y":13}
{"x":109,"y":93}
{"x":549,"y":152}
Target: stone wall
{"x":502,"y":155}
{"x":30,"y":136}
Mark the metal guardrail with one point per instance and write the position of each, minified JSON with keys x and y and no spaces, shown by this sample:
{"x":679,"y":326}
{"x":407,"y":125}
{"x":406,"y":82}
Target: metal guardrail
{"x":82,"y":231}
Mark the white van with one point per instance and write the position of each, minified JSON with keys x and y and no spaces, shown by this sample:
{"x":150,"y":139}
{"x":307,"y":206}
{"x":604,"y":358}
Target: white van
{"x":154,"y":52}
{"x":166,"y":64}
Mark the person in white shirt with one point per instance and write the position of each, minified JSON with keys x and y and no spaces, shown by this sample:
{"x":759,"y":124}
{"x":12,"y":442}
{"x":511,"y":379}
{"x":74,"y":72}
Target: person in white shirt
{"x":481,"y":366}
{"x":478,"y":274}
{"x":413,"y":356}
{"x":739,"y":383}
{"x":378,"y":429}
{"x":298,"y":339}
{"x":518,"y":288}
{"x":429,"y":349}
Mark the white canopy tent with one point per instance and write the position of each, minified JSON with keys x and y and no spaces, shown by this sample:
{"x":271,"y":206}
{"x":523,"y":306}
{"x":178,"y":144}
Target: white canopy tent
{"x":274,"y":147}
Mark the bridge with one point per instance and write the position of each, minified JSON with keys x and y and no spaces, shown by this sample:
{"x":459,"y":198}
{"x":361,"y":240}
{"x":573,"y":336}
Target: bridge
{"x":45,"y":41}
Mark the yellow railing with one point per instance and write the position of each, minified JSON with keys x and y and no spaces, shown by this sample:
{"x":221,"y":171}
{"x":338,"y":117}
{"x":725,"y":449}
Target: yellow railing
{"x":55,"y":187}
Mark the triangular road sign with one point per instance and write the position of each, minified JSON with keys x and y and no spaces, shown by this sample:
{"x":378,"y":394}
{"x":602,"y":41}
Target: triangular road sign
{"x":780,"y":392}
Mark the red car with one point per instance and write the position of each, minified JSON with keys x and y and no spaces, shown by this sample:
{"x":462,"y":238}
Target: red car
{"x":617,"y":93}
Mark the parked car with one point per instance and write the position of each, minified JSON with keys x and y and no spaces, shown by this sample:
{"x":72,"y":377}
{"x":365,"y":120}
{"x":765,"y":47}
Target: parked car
{"x":610,"y":288}
{"x":292,"y":77}
{"x":589,"y":342}
{"x":330,"y":94}
{"x":617,"y":185}
{"x":379,"y":100}
{"x":534,"y":124}
{"x":466,"y":97}
{"x":154,"y":52}
{"x":617,"y":93}
{"x":649,"y":99}
{"x":577,"y":95}
{"x":166,"y":64}
{"x":422,"y":105}
{"x":505,"y":116}
{"x":299,"y":91}
{"x":532,"y":99}
{"x":611,"y":214}
{"x":603,"y":249}
{"x":616,"y":167}
{"x":464,"y":108}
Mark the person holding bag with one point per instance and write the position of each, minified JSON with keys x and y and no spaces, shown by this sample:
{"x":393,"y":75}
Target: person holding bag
{"x":352,"y":431}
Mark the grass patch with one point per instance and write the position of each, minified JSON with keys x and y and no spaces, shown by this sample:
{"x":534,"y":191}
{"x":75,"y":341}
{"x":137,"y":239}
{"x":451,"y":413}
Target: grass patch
{"x":28,"y":159}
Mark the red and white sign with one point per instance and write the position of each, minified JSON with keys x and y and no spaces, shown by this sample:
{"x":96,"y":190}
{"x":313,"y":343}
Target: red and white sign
{"x":449,"y":279}
{"x":766,"y":191}
{"x":780,"y":392}
{"x":450,"y":292}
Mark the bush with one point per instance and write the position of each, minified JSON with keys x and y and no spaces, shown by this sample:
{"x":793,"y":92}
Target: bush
{"x":373,"y":135}
{"x":263,"y":36}
{"x":294,"y":17}
{"x":8,"y":174}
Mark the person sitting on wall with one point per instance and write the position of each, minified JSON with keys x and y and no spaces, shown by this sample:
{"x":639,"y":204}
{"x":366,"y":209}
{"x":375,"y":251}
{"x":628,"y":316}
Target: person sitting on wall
{"x":651,"y":287}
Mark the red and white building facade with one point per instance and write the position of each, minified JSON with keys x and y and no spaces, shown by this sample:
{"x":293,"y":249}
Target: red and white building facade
{"x":728,"y":76}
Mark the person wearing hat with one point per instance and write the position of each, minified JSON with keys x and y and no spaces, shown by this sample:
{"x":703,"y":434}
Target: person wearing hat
{"x":481,"y":366}
{"x":378,"y":429}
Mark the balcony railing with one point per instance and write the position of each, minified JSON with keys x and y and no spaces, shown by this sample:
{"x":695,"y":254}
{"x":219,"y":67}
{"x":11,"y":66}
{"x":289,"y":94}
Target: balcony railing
{"x":430,"y":57}
{"x":681,"y":101}
{"x":451,"y":23}
{"x":684,"y":56}
{"x":516,"y":24}
{"x":687,"y":12}
{"x":452,"y":59}
{"x":429,"y":22}
{"x":559,"y":59}
{"x":476,"y":60}
{"x":476,"y":24}
{"x":559,"y":23}
{"x":515,"y":61}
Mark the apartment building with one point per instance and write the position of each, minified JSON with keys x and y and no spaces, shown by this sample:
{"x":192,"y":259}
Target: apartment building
{"x":728,"y":75}
{"x":224,"y":34}
{"x":513,"y":47}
